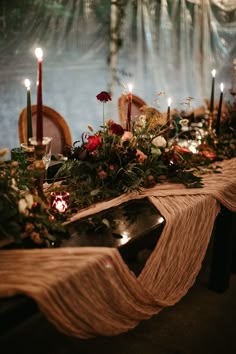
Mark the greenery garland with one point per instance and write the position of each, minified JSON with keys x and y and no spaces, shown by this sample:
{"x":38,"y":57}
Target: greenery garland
{"x":104,"y":165}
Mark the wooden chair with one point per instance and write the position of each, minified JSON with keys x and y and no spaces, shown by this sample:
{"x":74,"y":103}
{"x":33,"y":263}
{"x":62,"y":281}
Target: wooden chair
{"x":54,"y":125}
{"x":137,"y":103}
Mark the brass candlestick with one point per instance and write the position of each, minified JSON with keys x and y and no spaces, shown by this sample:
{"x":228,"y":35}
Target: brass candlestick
{"x":40,"y":149}
{"x":210,"y":122}
{"x":212,"y":138}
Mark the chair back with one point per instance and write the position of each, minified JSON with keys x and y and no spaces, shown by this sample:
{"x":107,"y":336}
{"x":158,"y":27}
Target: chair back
{"x":54,"y":125}
{"x":137,"y":103}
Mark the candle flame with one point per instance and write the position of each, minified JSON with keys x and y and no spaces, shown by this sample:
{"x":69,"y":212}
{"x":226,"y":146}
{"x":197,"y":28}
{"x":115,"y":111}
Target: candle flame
{"x":60,"y":204}
{"x":39,"y":53}
{"x":222,"y":87}
{"x":130,"y":87}
{"x":169,"y":101}
{"x":213,"y":73}
{"x":27,"y":84}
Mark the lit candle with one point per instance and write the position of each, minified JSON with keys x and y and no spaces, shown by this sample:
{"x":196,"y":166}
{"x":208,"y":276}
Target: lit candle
{"x":60,"y":201}
{"x":128,"y":122}
{"x":219,"y":109}
{"x":213,"y":73}
{"x":169,"y":118}
{"x":29,"y":115}
{"x":39,"y":124}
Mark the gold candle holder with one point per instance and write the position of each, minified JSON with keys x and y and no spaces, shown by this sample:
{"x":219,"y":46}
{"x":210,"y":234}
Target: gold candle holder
{"x":212,"y":138}
{"x":210,"y":122}
{"x":29,"y":151}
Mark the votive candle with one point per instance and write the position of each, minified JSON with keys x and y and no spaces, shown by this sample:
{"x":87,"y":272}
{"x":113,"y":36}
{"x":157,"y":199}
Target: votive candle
{"x":39,"y":122}
{"x":219,"y":109}
{"x":128,"y":122}
{"x":29,"y":114}
{"x":60,"y":201}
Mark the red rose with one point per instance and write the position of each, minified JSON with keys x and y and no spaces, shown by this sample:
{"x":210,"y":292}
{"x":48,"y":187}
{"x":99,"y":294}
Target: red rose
{"x":182,"y":150}
{"x":104,"y":96}
{"x":93,"y":142}
{"x":116,"y":129}
{"x":208,"y":154}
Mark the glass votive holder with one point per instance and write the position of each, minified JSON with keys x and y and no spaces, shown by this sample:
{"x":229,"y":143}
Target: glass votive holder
{"x":60,"y":201}
{"x":18,"y":154}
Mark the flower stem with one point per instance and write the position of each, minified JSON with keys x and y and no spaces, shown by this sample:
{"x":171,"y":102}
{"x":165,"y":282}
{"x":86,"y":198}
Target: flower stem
{"x":103,"y":114}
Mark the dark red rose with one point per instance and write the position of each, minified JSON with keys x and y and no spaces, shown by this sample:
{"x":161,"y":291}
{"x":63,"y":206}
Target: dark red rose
{"x":104,"y":96}
{"x":116,"y":129}
{"x":93,"y":142}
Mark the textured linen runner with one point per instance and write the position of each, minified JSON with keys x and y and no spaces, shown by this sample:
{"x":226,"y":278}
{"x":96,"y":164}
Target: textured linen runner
{"x":90,"y":291}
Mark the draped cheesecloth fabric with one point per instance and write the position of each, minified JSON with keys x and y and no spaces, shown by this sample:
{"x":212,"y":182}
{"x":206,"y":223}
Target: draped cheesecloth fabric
{"x":87,"y":292}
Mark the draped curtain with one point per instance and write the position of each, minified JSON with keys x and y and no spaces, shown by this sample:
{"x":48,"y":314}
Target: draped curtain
{"x":166,"y":46}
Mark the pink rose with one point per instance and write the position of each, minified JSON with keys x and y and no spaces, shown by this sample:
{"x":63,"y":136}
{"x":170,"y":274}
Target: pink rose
{"x":102,"y":174}
{"x":126,"y":136}
{"x":141,"y":156}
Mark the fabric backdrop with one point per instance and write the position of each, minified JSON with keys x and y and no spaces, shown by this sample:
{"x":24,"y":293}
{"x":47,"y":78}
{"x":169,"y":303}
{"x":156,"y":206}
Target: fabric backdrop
{"x":159,"y":45}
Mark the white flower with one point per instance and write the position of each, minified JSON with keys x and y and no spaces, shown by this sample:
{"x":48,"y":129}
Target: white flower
{"x":159,"y":141}
{"x":25,"y":204}
{"x":14,"y":185}
{"x":141,"y":122}
{"x":155,"y":151}
{"x":29,"y":200}
{"x":22,"y":207}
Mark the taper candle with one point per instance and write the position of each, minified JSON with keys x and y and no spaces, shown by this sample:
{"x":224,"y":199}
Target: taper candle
{"x":169,"y":118}
{"x":213,"y":73}
{"x":29,"y":115}
{"x":219,"y":110}
{"x":39,"y":124}
{"x":128,"y":122}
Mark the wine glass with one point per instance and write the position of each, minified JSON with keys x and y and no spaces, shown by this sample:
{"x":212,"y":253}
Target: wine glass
{"x":47,"y":154}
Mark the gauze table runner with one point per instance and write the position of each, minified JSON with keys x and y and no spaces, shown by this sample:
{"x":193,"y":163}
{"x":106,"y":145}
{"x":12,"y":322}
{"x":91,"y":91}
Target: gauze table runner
{"x":90,"y":291}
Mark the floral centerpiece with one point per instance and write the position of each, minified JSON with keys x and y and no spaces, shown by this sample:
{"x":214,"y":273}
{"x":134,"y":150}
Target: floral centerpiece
{"x":112,"y":161}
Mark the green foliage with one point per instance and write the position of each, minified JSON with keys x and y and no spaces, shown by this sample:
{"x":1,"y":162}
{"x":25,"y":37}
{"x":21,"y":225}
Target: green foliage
{"x":23,"y":211}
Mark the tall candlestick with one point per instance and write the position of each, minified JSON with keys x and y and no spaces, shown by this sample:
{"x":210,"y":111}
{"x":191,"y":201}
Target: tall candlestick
{"x":39,"y":124}
{"x":169,"y":118}
{"x":219,"y":110}
{"x":29,"y":115}
{"x":213,"y":73}
{"x":128,"y":122}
